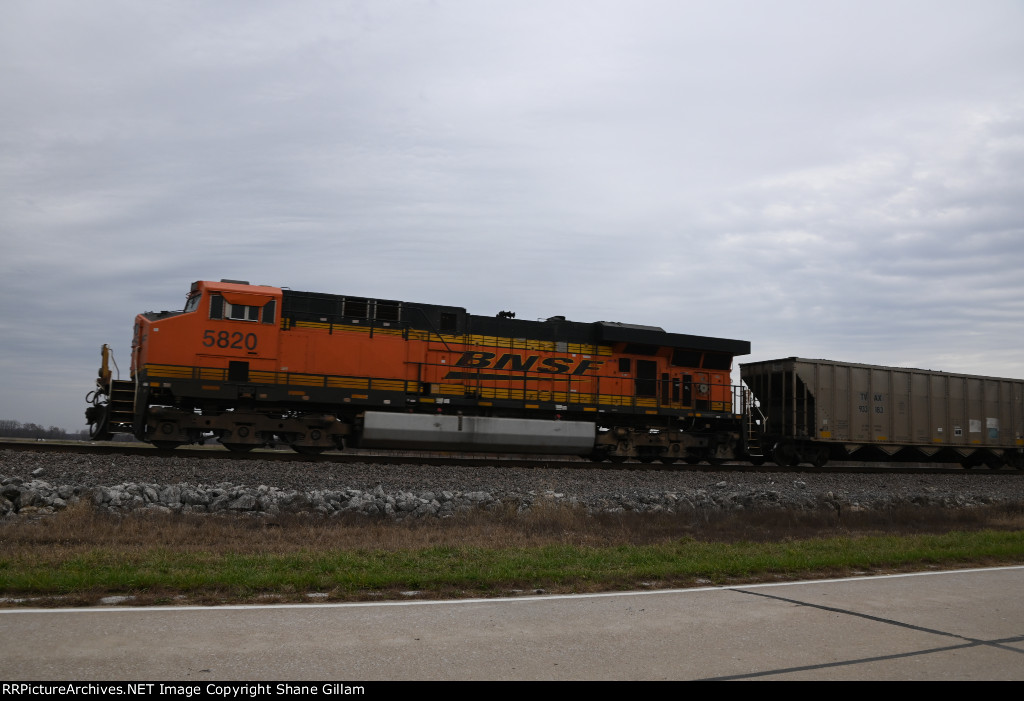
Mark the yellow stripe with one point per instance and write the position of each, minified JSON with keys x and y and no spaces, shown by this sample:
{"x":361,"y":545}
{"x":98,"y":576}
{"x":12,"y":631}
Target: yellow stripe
{"x":348,"y":383}
{"x":169,"y":371}
{"x":312,"y":325}
{"x":615,"y":400}
{"x":499,"y":342}
{"x":399,"y":385}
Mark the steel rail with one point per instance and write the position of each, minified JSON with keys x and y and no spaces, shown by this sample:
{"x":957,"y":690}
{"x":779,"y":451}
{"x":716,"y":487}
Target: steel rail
{"x":215,"y":452}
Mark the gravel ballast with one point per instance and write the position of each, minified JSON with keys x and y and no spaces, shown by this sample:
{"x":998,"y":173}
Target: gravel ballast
{"x":36,"y":483}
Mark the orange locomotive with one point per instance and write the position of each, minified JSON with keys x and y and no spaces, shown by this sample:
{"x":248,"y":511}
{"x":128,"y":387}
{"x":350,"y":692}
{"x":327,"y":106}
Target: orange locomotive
{"x":254,"y":365}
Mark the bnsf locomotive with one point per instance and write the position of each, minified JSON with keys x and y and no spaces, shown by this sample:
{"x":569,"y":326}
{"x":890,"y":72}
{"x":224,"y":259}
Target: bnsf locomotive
{"x":255,"y":365}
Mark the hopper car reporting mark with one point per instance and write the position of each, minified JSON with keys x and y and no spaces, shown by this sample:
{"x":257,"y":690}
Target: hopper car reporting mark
{"x":254,"y":365}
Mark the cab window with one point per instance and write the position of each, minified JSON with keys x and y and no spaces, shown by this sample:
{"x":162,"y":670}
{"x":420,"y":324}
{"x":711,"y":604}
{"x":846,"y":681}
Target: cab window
{"x":241,"y":312}
{"x":222,"y":309}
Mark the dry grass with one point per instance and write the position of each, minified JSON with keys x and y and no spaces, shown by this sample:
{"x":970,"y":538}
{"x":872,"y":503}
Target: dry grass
{"x":82,"y":528}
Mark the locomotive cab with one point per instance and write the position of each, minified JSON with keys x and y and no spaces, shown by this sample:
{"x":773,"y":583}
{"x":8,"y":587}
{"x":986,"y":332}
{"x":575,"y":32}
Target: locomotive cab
{"x":225,"y":326}
{"x":193,"y":361}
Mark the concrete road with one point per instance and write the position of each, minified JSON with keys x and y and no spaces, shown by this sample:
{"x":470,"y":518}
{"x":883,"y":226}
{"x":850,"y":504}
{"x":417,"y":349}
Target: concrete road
{"x":957,"y":625}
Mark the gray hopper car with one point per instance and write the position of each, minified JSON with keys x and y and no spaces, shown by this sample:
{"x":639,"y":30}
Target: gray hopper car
{"x":817,"y":410}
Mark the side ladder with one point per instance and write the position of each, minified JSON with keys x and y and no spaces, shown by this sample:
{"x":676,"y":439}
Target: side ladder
{"x":121,"y":406}
{"x":755,"y":426}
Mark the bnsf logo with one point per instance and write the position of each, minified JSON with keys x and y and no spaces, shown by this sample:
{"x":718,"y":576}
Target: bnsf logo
{"x":531,"y":363}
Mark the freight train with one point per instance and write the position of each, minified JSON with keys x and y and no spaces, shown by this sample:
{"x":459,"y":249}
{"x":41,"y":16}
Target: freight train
{"x":255,"y":365}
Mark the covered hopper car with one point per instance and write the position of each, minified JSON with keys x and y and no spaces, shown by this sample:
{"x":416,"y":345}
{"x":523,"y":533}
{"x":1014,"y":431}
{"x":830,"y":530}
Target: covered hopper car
{"x":254,"y":365}
{"x":819,"y":410}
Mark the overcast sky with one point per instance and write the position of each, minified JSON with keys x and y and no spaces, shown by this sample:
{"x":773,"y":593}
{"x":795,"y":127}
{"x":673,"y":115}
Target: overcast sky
{"x":840,"y":180}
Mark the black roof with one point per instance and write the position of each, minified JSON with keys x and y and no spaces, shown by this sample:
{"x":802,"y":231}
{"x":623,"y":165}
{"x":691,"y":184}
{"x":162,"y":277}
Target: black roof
{"x":446,"y":319}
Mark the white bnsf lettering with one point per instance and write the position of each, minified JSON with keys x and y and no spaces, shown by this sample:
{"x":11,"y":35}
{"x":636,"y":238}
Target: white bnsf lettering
{"x":531,"y":363}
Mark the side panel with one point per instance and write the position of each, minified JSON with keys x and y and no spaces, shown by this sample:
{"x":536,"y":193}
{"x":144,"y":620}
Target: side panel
{"x":445,"y":432}
{"x":514,"y":373}
{"x":940,"y":423}
{"x":900,"y":415}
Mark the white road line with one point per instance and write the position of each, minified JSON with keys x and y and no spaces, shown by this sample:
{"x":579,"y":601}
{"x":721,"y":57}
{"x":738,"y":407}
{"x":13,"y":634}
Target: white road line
{"x":497,"y":600}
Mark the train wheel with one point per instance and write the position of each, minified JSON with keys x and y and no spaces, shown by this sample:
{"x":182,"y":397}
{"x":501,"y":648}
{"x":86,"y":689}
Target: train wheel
{"x":239,"y":447}
{"x":598,"y":456}
{"x":820,"y":457}
{"x":165,"y":445}
{"x":308,"y":449}
{"x":618,"y":459}
{"x":667,"y":460}
{"x":785,"y":455}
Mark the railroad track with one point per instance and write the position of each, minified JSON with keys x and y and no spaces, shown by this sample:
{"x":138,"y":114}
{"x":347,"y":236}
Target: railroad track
{"x":490,"y":461}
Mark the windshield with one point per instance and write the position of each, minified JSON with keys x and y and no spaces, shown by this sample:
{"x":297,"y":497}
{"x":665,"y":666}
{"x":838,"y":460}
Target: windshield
{"x":193,"y":302}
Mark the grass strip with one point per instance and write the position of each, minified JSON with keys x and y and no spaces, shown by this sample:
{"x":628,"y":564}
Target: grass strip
{"x":472,"y":570}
